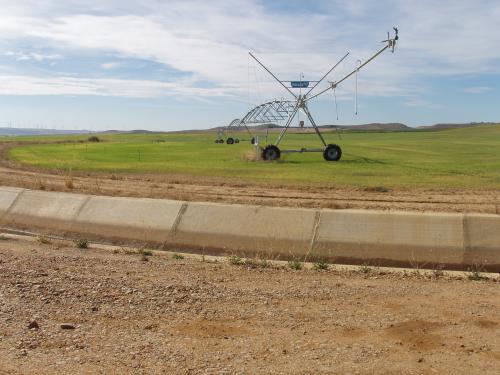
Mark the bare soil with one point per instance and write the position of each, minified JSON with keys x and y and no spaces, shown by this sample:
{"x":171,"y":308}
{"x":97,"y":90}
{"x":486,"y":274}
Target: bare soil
{"x":124,"y":315}
{"x":191,"y":188}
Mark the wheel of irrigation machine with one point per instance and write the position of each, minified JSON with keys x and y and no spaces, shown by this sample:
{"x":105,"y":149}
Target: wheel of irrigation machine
{"x":332,"y":153}
{"x":252,"y":141}
{"x":230,"y":141}
{"x":236,"y":140}
{"x":271,"y":152}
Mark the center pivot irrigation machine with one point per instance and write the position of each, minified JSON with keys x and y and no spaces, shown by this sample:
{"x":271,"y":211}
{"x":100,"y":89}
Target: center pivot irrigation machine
{"x":286,"y":110}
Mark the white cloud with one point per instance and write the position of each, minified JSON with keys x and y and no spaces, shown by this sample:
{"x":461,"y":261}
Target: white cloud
{"x":37,"y":56}
{"x":28,"y":85}
{"x":415,"y":101}
{"x":210,"y":40}
{"x":111,"y":65}
{"x":477,"y":90}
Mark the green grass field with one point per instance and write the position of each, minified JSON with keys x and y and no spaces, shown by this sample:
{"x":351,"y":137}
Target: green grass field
{"x":468,"y":157}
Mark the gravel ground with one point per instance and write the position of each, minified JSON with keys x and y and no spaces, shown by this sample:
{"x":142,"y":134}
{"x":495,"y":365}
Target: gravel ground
{"x":65,"y":310}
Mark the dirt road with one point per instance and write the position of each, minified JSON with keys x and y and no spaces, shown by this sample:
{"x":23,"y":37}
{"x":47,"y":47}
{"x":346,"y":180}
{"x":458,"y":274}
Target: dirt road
{"x":219,"y":190}
{"x":97,"y":311}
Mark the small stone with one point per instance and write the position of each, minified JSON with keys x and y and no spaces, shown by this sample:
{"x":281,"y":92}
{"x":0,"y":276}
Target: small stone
{"x":67,"y":326}
{"x":94,"y":308}
{"x":33,"y":325}
{"x":420,"y":360}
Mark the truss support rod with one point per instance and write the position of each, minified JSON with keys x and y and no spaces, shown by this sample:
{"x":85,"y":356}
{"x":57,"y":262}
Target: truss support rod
{"x":246,"y":127}
{"x":335,"y":84}
{"x":289,"y":121}
{"x":248,"y":130}
{"x":276,"y":78}
{"x":306,"y":110}
{"x":231,"y":125}
{"x":322,"y":78}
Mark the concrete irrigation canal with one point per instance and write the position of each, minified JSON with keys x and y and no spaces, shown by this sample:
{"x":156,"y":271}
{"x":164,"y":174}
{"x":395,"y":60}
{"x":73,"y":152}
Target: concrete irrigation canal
{"x":450,"y":240}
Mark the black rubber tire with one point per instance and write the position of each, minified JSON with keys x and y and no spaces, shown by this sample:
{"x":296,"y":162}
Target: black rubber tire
{"x":271,"y":152}
{"x":230,"y":141}
{"x":252,"y":141}
{"x":217,"y":141}
{"x":332,"y":153}
{"x":236,"y":140}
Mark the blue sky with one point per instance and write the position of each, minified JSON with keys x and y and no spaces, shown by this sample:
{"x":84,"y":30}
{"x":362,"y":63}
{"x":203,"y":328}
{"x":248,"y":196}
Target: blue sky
{"x":169,"y":65}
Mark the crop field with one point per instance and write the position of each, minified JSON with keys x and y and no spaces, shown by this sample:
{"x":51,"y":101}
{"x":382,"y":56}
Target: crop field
{"x":456,"y":158}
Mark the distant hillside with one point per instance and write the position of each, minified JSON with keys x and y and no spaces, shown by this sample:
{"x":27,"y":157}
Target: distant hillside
{"x":365,"y":127}
{"x":135,"y":131}
{"x":375,"y":126}
{"x":452,"y":126}
{"x":379,"y":126}
{"x":34,"y":131}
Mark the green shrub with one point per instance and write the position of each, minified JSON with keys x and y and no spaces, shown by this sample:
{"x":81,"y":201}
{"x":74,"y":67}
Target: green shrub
{"x":82,"y":243}
{"x":320,"y":264}
{"x":235,"y":260}
{"x":295,"y":264}
{"x":145,"y":252}
{"x":365,"y":269}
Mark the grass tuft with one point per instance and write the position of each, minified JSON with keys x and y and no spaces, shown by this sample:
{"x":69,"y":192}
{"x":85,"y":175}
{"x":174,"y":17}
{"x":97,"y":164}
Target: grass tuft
{"x":68,"y":182}
{"x":365,"y":268}
{"x":321,"y":264}
{"x":295,"y":264}
{"x":145,"y":252}
{"x":82,"y":243}
{"x":235,"y":260}
{"x":43,"y":240}
{"x":476,"y":276}
{"x":475,"y":273}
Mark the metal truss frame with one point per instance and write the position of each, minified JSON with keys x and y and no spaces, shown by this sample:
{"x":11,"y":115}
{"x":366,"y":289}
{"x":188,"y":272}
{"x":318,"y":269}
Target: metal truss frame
{"x":281,"y":110}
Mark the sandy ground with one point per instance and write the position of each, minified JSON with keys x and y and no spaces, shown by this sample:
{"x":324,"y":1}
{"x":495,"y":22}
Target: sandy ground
{"x":126,"y":315}
{"x":228,"y":191}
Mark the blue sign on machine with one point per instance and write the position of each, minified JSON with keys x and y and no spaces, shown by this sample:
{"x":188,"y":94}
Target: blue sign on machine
{"x":300,"y":84}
